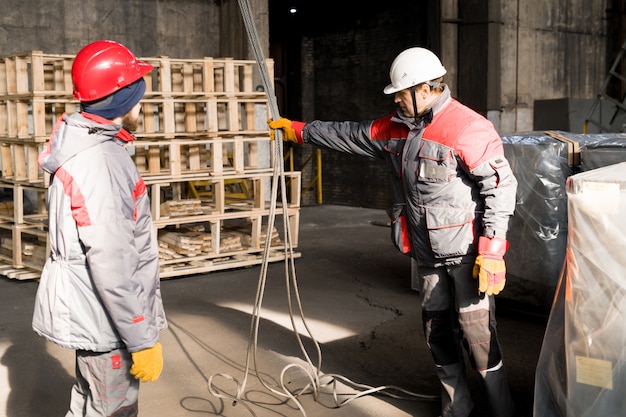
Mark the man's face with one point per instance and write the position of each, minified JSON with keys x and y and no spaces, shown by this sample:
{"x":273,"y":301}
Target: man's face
{"x":130,"y":121}
{"x":423,"y":98}
{"x":405,"y":102}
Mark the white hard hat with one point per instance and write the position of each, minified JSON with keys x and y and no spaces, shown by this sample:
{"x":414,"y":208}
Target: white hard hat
{"x":412,"y":67}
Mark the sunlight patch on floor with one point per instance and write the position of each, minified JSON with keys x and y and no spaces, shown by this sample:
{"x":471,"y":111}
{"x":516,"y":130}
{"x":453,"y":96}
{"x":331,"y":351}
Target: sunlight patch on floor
{"x":322,"y":331}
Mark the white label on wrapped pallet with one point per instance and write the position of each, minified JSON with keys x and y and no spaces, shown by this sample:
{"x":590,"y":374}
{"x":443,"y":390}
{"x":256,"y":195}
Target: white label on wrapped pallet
{"x":596,"y":372}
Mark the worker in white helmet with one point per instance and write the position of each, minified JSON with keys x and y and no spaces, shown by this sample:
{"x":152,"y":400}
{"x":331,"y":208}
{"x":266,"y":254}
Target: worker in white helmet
{"x":454,"y":195}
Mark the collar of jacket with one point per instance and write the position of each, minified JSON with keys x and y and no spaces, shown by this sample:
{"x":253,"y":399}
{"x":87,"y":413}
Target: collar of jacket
{"x":427,"y":115}
{"x":439,"y":103}
{"x":123,"y":134}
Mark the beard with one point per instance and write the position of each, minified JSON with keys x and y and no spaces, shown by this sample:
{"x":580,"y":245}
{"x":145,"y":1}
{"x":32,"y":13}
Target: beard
{"x":129,"y":122}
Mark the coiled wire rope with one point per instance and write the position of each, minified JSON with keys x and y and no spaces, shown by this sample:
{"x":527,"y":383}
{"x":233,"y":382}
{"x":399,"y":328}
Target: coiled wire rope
{"x":316,"y":379}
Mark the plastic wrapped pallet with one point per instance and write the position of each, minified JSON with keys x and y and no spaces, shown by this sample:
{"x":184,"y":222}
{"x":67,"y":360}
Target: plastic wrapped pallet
{"x":581,"y":370}
{"x":606,"y":149}
{"x":538,"y":232}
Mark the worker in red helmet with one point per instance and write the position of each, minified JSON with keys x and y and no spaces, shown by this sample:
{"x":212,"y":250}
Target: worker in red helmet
{"x":99,"y":291}
{"x":454,"y":195}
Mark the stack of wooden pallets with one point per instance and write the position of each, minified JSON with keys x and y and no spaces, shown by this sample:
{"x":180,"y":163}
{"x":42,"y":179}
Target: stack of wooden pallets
{"x":202,"y":131}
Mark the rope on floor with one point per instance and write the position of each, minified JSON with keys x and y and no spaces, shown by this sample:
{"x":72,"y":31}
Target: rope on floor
{"x":316,"y":379}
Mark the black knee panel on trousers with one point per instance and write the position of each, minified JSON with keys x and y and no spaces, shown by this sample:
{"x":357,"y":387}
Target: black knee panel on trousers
{"x":440,"y":336}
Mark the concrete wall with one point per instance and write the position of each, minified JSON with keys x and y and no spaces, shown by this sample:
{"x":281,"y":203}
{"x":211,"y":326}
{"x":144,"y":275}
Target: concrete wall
{"x":549,"y":49}
{"x":512,"y":53}
{"x":176,"y":28}
{"x":501,"y":57}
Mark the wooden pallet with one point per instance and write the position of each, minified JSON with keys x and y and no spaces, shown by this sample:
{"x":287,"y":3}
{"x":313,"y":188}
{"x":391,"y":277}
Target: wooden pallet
{"x":203,"y":129}
{"x":23,"y":246}
{"x":217,"y":156}
{"x":169,"y":117}
{"x":27,"y":205}
{"x":24,"y":274}
{"x":185,"y":265}
{"x":19,"y":162}
{"x":216,"y":200}
{"x":204,"y":77}
{"x":228,"y":261}
{"x":203,"y":96}
{"x":35,"y":89}
{"x":22,"y":226}
{"x":34,"y":73}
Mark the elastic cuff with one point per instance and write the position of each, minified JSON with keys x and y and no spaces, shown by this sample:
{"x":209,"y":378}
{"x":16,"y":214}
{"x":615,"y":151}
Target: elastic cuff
{"x":492,"y":246}
{"x":297,"y":128}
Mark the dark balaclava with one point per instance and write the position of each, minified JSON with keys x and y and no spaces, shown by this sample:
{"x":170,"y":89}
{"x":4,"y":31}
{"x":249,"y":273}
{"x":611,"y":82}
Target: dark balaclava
{"x":118,"y":103}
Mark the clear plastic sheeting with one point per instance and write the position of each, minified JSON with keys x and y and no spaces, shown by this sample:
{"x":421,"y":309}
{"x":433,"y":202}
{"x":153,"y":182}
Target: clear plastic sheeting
{"x":542,"y":163}
{"x":607,"y":149}
{"x":538,"y":232}
{"x":581,"y":371}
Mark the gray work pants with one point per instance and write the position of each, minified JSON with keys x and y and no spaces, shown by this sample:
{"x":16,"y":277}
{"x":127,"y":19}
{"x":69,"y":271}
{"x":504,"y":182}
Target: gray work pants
{"x":454,"y":317}
{"x":104,"y":386}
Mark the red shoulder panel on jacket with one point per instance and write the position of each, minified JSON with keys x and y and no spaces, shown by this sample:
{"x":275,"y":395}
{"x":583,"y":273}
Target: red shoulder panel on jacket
{"x":470,"y":134}
{"x":385,"y":129}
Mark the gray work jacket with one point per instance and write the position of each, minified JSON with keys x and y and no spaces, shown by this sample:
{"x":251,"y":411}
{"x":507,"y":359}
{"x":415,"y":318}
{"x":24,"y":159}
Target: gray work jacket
{"x":100,"y":288}
{"x":449,"y":177}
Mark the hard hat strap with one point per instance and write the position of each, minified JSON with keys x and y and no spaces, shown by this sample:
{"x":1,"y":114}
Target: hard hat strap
{"x":412,"y":89}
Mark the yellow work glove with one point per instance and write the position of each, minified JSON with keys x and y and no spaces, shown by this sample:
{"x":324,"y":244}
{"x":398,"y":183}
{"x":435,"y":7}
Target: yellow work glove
{"x":147,"y":363}
{"x":289,"y":134}
{"x":489,"y":267}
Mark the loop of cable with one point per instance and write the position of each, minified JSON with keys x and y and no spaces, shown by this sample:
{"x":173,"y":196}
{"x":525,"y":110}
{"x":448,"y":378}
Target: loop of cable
{"x":312,"y":372}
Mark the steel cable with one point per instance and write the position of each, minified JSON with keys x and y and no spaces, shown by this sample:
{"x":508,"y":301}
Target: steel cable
{"x":312,"y":372}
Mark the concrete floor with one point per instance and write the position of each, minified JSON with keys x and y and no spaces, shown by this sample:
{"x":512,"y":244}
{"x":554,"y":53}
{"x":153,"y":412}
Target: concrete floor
{"x":357,"y":302}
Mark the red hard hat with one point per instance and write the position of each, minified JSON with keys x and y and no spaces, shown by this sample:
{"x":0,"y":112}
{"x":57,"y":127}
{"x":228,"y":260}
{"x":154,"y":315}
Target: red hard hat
{"x":103,"y":67}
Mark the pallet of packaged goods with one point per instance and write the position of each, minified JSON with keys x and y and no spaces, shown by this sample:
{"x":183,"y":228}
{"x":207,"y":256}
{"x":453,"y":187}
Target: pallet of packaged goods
{"x":202,"y":147}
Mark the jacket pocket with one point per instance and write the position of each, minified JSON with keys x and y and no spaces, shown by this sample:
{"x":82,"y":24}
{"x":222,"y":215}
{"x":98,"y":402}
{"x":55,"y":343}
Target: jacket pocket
{"x":399,"y":228}
{"x":394,"y":148}
{"x":435,"y":163}
{"x":450,"y":231}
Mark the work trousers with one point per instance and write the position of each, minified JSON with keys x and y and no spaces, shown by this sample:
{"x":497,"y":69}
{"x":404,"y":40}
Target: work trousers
{"x":455,"y":316}
{"x":104,"y":386}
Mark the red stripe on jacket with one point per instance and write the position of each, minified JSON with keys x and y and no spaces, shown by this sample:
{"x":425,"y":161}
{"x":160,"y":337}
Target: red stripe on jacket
{"x":140,"y":189}
{"x":77,"y":200}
